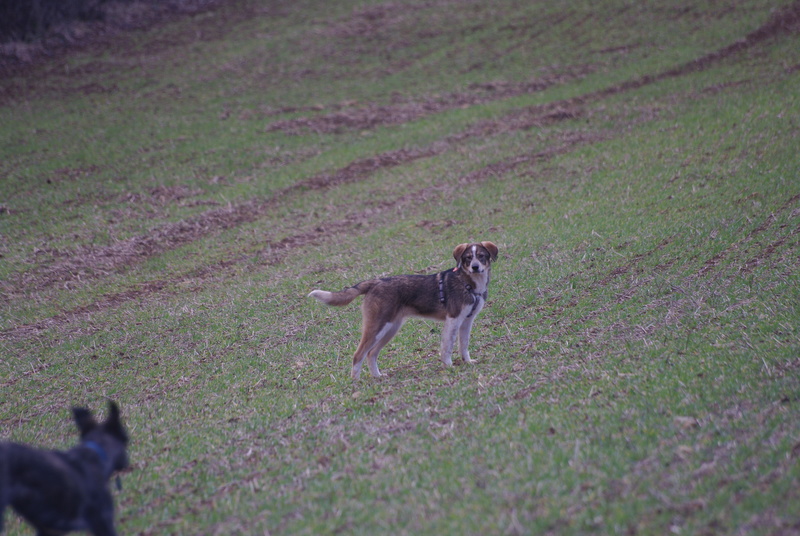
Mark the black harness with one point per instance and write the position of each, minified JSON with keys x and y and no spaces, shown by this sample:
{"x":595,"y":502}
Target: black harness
{"x":475,"y":295}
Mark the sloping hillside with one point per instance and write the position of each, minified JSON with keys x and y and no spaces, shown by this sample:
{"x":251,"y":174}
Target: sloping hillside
{"x":170,"y":194}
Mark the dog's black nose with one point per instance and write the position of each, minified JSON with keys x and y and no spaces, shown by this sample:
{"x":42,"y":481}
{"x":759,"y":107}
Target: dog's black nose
{"x":476,"y":267}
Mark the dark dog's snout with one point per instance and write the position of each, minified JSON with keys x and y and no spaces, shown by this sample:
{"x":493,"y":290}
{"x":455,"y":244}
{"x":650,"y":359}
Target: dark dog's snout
{"x":475,"y":267}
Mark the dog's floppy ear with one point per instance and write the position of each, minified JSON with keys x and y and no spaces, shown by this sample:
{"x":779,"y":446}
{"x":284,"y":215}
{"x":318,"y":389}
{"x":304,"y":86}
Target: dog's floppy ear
{"x":113,"y":423}
{"x":491,"y":248}
{"x":459,"y":251}
{"x":84,"y":420}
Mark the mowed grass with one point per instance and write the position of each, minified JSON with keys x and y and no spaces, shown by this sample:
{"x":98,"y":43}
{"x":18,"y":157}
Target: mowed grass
{"x":168,"y":200}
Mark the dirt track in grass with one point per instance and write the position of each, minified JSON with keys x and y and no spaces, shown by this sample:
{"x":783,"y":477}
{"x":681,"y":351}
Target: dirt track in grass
{"x":87,"y":263}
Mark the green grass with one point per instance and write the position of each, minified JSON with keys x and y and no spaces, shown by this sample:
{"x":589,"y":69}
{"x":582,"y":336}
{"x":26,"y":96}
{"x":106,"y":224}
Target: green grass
{"x":638,"y":359}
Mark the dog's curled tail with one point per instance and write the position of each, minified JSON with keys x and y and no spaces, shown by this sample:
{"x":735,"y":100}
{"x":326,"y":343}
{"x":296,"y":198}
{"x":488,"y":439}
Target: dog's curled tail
{"x":343,"y":297}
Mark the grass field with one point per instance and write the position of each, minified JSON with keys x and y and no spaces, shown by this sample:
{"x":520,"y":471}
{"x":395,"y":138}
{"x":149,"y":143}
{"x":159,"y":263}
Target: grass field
{"x":170,"y":195}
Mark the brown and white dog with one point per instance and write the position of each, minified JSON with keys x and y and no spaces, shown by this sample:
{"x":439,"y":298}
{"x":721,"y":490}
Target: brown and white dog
{"x":454,"y":296}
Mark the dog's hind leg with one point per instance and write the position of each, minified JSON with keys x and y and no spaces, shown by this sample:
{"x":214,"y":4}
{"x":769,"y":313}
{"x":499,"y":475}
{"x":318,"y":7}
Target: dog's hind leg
{"x":386,"y":333}
{"x":373,"y":339}
{"x":367,"y":342}
{"x":372,"y":329}
{"x":369,"y":331}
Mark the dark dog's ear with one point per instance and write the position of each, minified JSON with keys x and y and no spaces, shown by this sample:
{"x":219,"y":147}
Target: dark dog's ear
{"x":459,"y":251}
{"x":113,"y":424}
{"x":491,"y":248}
{"x":84,"y":420}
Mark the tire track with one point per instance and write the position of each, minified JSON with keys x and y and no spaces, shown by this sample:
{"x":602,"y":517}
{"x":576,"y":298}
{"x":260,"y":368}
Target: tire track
{"x":364,"y":219}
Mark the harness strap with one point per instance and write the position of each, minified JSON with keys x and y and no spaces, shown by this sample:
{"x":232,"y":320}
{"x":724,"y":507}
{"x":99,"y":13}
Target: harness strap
{"x":476,"y":296}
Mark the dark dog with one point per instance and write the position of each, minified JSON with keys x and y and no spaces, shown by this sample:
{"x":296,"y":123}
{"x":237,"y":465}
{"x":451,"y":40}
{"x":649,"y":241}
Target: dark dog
{"x":454,"y":296}
{"x":59,"y":492}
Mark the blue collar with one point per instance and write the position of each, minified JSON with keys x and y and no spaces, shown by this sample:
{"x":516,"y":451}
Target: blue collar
{"x":91,"y":445}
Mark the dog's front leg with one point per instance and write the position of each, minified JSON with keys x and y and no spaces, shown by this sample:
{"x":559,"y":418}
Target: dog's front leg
{"x":463,"y":339}
{"x":449,"y":333}
{"x":100,"y":514}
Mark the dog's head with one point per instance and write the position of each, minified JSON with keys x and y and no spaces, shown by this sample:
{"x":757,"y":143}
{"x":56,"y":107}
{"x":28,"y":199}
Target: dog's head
{"x":475,"y":258}
{"x":109,"y":435}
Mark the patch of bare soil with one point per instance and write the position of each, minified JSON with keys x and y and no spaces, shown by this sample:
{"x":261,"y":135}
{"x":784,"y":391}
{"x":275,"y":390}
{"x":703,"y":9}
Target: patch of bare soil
{"x":370,"y":116}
